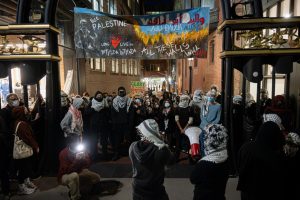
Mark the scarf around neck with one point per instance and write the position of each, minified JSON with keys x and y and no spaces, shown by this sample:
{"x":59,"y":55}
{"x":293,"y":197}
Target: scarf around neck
{"x":76,"y":119}
{"x":121,"y":102}
{"x":97,"y":106}
{"x":216,"y":157}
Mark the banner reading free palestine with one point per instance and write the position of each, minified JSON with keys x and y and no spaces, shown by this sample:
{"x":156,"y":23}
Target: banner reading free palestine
{"x":172,"y":35}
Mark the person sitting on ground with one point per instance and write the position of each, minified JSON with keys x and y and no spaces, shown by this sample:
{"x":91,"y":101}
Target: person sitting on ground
{"x":211,"y":173}
{"x":73,"y":169}
{"x":149,"y":158}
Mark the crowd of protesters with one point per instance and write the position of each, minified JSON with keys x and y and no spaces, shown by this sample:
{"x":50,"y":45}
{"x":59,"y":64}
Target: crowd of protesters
{"x":266,"y":146}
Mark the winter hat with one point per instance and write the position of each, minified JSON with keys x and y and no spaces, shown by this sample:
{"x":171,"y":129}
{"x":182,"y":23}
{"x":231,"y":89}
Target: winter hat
{"x":149,"y":131}
{"x":215,"y":138}
{"x":273,"y":118}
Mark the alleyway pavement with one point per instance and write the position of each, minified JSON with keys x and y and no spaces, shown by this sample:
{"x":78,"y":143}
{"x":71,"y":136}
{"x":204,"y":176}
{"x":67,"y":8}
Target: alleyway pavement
{"x":177,"y":183}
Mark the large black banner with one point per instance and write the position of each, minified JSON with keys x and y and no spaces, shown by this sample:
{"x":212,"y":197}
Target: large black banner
{"x":172,"y":35}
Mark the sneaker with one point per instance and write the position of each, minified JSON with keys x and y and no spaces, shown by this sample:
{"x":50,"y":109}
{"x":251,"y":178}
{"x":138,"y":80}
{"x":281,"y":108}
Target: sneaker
{"x":30,"y":184}
{"x":23,"y":189}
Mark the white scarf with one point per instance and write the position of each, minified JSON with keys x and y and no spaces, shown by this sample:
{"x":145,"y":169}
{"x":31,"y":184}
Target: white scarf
{"x":121,"y":102}
{"x":216,"y":157}
{"x":97,"y":106}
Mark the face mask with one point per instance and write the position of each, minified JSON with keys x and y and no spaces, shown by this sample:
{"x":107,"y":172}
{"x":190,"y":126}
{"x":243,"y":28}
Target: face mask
{"x":156,"y":106}
{"x":167,"y":105}
{"x":148,"y":103}
{"x":122,"y":93}
{"x":210,"y":99}
{"x":15,"y":103}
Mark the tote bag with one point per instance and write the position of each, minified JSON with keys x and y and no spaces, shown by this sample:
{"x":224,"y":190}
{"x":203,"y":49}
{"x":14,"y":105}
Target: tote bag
{"x":21,"y":149}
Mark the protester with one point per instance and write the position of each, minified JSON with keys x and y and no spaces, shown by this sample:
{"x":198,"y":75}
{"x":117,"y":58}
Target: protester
{"x":24,"y":166}
{"x":138,"y":115}
{"x":97,"y":115}
{"x":4,"y":160}
{"x":183,"y":119}
{"x":72,"y":123}
{"x":211,"y":173}
{"x":210,"y":114}
{"x":261,"y":165}
{"x":251,"y":122}
{"x":196,"y":105}
{"x":211,"y":111}
{"x":73,"y":170}
{"x":149,"y":158}
{"x":291,"y":150}
{"x":120,"y":113}
{"x":167,"y":123}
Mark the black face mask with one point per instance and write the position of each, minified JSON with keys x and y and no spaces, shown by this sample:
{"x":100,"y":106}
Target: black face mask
{"x":122,"y":93}
{"x":99,"y":99}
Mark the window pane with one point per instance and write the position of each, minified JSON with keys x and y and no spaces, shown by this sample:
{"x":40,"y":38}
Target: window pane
{"x":279,"y":89}
{"x":92,"y":63}
{"x":101,"y":6}
{"x":97,"y":67}
{"x":103,"y":67}
{"x":285,"y":8}
{"x":96,"y":5}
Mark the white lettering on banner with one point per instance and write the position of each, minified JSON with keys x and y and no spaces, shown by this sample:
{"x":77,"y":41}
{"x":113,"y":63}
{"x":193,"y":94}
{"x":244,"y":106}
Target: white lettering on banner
{"x":121,"y":52}
{"x":167,"y":28}
{"x":109,"y":24}
{"x":147,"y":52}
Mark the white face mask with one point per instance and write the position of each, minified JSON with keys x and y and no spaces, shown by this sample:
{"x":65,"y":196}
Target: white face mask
{"x":15,"y":103}
{"x":167,"y":105}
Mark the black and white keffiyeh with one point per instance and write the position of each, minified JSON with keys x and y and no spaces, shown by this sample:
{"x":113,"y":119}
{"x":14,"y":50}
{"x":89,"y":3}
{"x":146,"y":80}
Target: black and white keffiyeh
{"x":215,"y":143}
{"x":121,"y":102}
{"x":149,"y":131}
{"x":97,"y":106}
{"x":273,"y":118}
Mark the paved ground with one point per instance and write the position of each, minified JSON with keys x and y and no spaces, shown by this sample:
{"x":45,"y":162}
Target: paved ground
{"x":177,"y":183}
{"x":177,"y":188}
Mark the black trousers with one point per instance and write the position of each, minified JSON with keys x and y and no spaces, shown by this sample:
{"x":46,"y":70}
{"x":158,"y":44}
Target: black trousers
{"x":24,"y":167}
{"x":117,"y":136}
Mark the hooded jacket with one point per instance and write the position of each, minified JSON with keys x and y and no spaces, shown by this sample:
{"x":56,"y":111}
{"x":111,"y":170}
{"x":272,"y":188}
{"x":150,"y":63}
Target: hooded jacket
{"x":148,"y":163}
{"x":261,"y":165}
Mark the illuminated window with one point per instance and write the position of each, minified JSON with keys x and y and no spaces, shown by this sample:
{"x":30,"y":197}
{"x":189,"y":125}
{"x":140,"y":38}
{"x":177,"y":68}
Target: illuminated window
{"x":98,"y":64}
{"x":96,"y":5}
{"x":135,"y":68}
{"x":115,"y":66}
{"x":113,"y":7}
{"x":124,"y":67}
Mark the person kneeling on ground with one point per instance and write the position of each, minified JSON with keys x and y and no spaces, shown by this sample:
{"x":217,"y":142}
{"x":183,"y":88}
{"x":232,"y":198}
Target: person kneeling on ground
{"x":149,"y":158}
{"x":73,"y":170}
